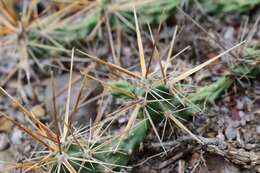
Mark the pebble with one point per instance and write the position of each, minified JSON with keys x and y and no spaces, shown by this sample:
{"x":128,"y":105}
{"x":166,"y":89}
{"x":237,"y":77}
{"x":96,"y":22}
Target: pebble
{"x":235,"y":124}
{"x":258,"y":129}
{"x":5,"y":124}
{"x":17,"y":136}
{"x":239,"y":104}
{"x":231,"y":133}
{"x":122,"y":120}
{"x":243,"y":122}
{"x":220,"y":135}
{"x":4,"y":141}
{"x":21,"y":117}
{"x":241,"y":114}
{"x":27,"y":148}
{"x":257,"y":168}
{"x":38,"y":111}
{"x":249,"y":117}
{"x":224,"y":109}
{"x":230,"y":34}
{"x":249,"y":103}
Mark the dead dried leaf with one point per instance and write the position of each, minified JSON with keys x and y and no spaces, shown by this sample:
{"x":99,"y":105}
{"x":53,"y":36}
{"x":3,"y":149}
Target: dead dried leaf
{"x":5,"y":124}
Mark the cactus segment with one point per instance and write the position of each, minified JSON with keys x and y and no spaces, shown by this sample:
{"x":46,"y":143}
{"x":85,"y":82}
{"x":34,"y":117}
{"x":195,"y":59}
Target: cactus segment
{"x":111,"y":157}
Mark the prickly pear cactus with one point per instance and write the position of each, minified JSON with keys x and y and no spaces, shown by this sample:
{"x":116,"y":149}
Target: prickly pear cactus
{"x":160,"y":100}
{"x":106,"y":158}
{"x":249,"y":66}
{"x":219,"y":7}
{"x":153,"y":12}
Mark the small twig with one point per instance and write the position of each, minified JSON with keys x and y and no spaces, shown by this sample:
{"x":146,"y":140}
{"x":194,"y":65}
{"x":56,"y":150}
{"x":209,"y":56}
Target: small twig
{"x":176,"y":157}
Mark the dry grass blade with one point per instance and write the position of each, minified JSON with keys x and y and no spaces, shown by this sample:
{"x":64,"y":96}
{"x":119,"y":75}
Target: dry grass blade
{"x":154,"y":128}
{"x":191,"y":71}
{"x":153,"y":48}
{"x":28,"y":131}
{"x":129,"y":125}
{"x":168,"y":76}
{"x":170,"y":51}
{"x":55,"y":113}
{"x":74,"y":109}
{"x":32,"y":7}
{"x":111,"y":86}
{"x":114,"y":115}
{"x":24,"y":61}
{"x":180,"y":52}
{"x":102,"y":107}
{"x":69,"y":167}
{"x":157,"y":56}
{"x":111,"y":42}
{"x":140,"y":46}
{"x":57,"y":15}
{"x":66,"y":119}
{"x":105,"y":165}
{"x":63,"y":17}
{"x":47,"y":47}
{"x":156,"y":95}
{"x":180,"y":125}
{"x":17,"y":165}
{"x":42,"y":127}
{"x":216,"y":40}
{"x":7,"y":12}
{"x":253,"y":31}
{"x":44,"y":160}
{"x":8,"y":25}
{"x":112,"y":66}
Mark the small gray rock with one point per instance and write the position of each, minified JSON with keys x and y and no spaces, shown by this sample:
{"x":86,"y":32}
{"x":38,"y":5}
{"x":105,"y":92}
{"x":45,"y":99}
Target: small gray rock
{"x":17,"y":136}
{"x":239,"y":105}
{"x":4,"y":142}
{"x":258,"y":129}
{"x":231,"y":133}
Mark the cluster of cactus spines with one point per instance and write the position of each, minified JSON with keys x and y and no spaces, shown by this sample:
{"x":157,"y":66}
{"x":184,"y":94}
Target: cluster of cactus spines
{"x":249,"y":66}
{"x":104,"y":156}
{"x":160,"y":100}
{"x":77,"y":20}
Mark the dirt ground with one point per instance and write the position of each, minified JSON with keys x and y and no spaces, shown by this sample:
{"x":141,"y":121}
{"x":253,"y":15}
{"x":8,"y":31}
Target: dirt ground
{"x":230,"y":129}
